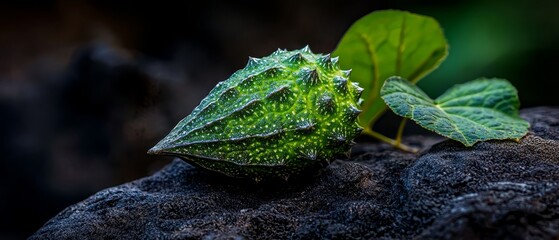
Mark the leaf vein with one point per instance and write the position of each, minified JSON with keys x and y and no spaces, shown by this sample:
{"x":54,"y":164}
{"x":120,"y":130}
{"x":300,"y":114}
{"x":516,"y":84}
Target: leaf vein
{"x":442,"y":103}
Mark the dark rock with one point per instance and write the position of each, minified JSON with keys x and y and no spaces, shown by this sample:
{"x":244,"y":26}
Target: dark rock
{"x":494,"y":190}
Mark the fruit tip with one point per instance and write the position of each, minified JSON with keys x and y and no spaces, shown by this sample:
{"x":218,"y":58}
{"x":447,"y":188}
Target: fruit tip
{"x":155,"y":150}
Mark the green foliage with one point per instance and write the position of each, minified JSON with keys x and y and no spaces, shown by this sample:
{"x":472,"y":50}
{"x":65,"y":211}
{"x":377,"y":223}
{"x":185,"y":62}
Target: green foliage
{"x":479,"y":110}
{"x":391,"y":43}
{"x":294,"y":111}
{"x":387,"y":43}
{"x":280,"y":115}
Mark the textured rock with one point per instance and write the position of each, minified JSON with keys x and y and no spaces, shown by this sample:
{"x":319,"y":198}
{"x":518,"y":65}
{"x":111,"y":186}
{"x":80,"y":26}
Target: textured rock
{"x":492,"y":190}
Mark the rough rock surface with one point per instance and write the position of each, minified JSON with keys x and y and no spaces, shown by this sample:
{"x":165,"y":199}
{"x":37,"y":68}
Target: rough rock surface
{"x":494,"y":190}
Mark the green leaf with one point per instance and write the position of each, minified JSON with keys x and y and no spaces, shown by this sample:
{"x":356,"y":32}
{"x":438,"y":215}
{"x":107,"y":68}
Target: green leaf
{"x":476,"y":111}
{"x":388,"y":43}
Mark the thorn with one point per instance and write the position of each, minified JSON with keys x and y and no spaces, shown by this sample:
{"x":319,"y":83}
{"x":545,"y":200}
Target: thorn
{"x":338,"y":137}
{"x":278,"y":52}
{"x":340,"y":79}
{"x":354,"y":111}
{"x":351,"y":113}
{"x":326,"y":103}
{"x":334,"y":60}
{"x":310,"y":76}
{"x":358,"y":90}
{"x":252,"y":62}
{"x":297,"y":58}
{"x":346,"y":73}
{"x":306,"y":49}
{"x":325,"y":61}
{"x":340,"y":83}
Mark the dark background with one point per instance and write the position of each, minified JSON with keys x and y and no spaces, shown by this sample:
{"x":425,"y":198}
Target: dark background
{"x":86,"y":87}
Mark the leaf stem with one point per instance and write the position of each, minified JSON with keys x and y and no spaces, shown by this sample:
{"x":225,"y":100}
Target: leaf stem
{"x":401,"y":131}
{"x":368,"y":131}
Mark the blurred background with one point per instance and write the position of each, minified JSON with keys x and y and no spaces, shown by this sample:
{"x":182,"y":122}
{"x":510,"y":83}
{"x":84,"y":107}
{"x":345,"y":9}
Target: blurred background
{"x":87,"y":87}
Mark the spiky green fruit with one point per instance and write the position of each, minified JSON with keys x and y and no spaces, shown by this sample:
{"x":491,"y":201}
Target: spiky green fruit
{"x":279,"y":116}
